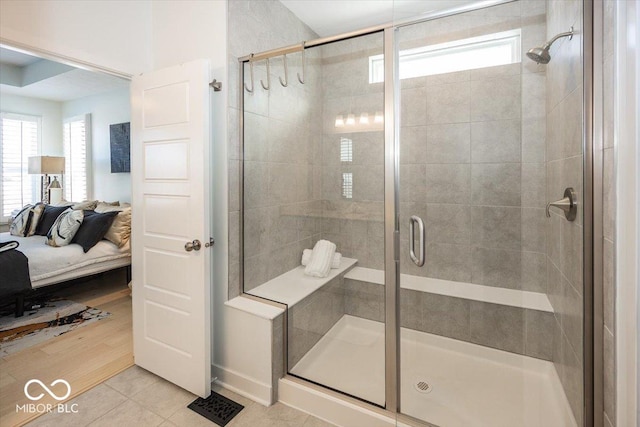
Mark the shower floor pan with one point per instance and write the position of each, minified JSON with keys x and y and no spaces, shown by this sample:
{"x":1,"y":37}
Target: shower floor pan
{"x":443,"y":381}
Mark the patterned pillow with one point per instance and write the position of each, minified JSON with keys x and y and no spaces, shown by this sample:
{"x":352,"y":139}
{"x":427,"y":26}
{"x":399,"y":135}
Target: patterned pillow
{"x":25,"y":222}
{"x":65,"y":228}
{"x":48,"y":217}
{"x":36,"y":216}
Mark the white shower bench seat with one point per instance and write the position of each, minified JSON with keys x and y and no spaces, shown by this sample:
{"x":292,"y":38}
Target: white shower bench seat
{"x":293,"y":286}
{"x":470,"y":291}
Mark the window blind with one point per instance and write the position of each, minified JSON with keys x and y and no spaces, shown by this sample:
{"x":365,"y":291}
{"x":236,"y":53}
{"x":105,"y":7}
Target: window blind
{"x":19,"y":140}
{"x":76,"y":136}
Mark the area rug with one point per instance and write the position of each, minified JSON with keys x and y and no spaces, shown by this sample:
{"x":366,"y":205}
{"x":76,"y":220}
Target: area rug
{"x":53,"y":319}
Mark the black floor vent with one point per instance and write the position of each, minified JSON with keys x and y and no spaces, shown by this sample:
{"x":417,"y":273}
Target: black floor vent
{"x":216,"y":408}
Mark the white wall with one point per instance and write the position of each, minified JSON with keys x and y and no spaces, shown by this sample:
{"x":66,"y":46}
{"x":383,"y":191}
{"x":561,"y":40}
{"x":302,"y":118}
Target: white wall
{"x":51,"y":113}
{"x":112,"y":34}
{"x":133,"y":37}
{"x":106,"y":109}
{"x":627,"y":109}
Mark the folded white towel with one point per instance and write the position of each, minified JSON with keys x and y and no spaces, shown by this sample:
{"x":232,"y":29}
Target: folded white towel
{"x":306,"y":257}
{"x":321,"y":259}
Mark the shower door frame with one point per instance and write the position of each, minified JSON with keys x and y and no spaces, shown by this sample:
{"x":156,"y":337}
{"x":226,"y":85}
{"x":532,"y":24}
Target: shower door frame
{"x":593,"y":397}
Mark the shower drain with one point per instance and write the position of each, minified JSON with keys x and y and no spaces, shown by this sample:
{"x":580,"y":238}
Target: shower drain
{"x":423,"y":387}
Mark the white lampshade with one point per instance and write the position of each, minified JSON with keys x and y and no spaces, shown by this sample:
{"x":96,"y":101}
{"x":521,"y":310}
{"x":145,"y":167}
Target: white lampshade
{"x":46,"y":165}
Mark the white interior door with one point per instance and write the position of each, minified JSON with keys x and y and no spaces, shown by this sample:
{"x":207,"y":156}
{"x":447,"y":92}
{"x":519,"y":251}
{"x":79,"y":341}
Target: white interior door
{"x":170,"y":179}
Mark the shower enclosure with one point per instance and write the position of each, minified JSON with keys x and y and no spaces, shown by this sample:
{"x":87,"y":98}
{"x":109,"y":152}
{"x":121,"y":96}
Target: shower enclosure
{"x":428,"y":151}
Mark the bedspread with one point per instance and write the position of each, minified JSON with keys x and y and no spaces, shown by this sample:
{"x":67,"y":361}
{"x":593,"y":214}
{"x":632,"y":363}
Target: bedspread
{"x":47,"y":261}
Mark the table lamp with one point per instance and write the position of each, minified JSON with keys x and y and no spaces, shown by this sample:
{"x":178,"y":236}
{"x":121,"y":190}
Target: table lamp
{"x":45,"y":166}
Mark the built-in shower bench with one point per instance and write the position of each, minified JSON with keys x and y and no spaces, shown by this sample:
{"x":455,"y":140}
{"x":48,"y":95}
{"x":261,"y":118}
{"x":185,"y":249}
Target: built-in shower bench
{"x":512,"y":320}
{"x":490,"y":294}
{"x":251,"y":360}
{"x":293,"y":286}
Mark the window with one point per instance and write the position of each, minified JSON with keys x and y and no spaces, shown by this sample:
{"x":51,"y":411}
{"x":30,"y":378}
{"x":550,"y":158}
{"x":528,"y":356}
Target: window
{"x":77,"y":143}
{"x":467,"y":54}
{"x":347,"y":185}
{"x":346,"y":150}
{"x":19,"y":139}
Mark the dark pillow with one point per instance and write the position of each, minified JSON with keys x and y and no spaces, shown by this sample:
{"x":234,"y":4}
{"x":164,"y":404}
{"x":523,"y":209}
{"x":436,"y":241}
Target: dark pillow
{"x":49,"y":216}
{"x":93,"y":228}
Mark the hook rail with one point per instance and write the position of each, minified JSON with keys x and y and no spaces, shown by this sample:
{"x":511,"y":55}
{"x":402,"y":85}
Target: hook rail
{"x":284,"y":82}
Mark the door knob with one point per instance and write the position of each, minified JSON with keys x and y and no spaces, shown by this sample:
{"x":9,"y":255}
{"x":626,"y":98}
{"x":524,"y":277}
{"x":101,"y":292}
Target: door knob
{"x":193,"y":246}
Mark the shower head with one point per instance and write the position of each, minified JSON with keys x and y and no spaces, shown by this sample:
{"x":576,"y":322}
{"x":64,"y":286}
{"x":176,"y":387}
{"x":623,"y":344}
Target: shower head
{"x":541,"y":54}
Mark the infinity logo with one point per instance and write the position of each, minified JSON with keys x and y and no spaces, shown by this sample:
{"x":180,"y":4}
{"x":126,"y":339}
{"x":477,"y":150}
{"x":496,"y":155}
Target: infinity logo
{"x":51,"y":393}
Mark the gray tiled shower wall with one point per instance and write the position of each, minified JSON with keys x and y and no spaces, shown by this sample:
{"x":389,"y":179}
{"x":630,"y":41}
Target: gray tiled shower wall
{"x":564,"y":169}
{"x":310,"y":319}
{"x":512,"y":329}
{"x":472,"y":155}
{"x":281,"y":144}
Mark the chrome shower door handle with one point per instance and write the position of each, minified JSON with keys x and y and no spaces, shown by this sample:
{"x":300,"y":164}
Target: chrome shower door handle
{"x":417,"y":260}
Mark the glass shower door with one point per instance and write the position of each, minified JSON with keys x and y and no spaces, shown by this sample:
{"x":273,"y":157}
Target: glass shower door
{"x":336,"y":338}
{"x":491,"y":324}
{"x":318,"y":173}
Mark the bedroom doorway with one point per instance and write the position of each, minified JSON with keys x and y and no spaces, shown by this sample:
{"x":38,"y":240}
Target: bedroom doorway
{"x":77,"y":324}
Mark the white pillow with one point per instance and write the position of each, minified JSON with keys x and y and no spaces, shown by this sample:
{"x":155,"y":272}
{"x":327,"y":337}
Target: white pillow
{"x":65,"y":227}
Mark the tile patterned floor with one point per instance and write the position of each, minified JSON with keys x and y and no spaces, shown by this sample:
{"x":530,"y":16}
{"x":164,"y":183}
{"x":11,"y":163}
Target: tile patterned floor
{"x":138,"y":398}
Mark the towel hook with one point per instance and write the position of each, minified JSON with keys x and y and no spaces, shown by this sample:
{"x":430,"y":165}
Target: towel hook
{"x":251,"y":71}
{"x":301,"y":79}
{"x":284,"y":82}
{"x":268,"y":85}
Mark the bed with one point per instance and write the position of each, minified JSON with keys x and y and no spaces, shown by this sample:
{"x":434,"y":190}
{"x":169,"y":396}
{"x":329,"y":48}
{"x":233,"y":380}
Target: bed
{"x":50,"y":265}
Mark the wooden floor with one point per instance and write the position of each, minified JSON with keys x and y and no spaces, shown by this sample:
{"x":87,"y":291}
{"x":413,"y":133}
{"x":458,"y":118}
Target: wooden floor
{"x":84,"y":357}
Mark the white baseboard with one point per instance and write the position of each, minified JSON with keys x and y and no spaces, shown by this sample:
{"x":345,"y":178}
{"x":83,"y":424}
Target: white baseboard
{"x":243,"y":385}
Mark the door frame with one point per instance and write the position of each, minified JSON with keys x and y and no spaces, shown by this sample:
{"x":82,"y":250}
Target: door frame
{"x":63,"y":59}
{"x":627,"y":178}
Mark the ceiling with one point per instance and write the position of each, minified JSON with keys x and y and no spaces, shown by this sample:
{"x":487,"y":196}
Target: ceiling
{"x":16,"y":58}
{"x":331,"y":17}
{"x":33,"y":77}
